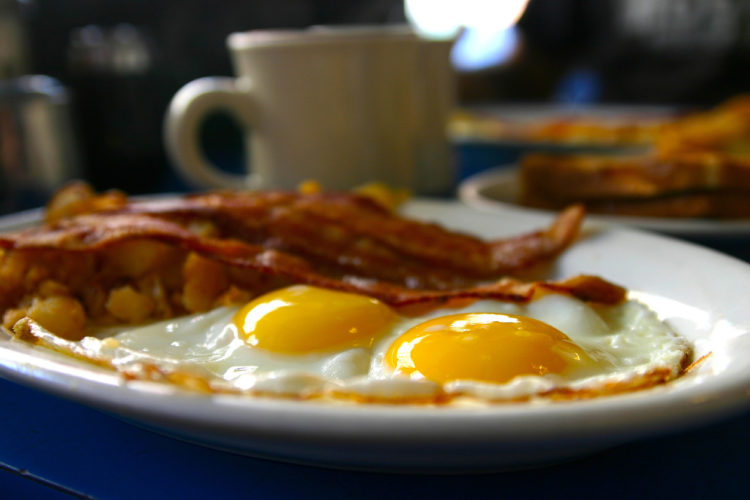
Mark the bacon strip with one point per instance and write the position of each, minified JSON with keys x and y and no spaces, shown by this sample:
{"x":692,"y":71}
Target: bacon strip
{"x":94,"y":232}
{"x":343,"y":234}
{"x":336,"y":220}
{"x":388,"y":239}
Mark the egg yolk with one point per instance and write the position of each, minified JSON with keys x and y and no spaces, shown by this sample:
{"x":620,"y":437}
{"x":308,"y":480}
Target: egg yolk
{"x":485,"y":347}
{"x":301,"y":319}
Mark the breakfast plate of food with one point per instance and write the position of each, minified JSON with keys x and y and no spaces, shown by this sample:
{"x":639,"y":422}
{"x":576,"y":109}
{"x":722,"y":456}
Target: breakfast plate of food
{"x":564,"y":128}
{"x":538,"y":186}
{"x":326,"y":328}
{"x":693,"y":179}
{"x":607,"y":128}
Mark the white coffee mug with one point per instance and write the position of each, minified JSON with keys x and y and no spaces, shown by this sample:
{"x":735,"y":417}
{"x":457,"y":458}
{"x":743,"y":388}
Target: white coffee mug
{"x":342,"y":106}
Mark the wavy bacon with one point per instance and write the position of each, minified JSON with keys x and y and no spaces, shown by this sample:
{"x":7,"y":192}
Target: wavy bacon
{"x":345,"y":234}
{"x":302,"y":239}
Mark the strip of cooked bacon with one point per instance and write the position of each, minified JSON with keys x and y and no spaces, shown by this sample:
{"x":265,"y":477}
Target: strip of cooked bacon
{"x":343,"y":233}
{"x":341,"y":220}
{"x":97,"y":231}
{"x":368,"y":240}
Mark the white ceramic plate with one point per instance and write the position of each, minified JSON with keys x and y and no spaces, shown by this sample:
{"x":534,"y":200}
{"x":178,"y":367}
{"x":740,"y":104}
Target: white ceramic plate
{"x":700,"y":293}
{"x":499,"y":189}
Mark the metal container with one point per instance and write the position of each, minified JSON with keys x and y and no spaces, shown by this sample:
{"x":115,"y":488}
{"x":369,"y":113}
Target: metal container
{"x":37,"y":143}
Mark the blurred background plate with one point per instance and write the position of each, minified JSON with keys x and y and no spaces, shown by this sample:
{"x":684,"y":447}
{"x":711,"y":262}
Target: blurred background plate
{"x":499,"y":189}
{"x":516,"y":116}
{"x":486,"y":136}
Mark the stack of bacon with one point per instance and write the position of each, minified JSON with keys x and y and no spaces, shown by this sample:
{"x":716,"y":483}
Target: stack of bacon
{"x":105,"y":258}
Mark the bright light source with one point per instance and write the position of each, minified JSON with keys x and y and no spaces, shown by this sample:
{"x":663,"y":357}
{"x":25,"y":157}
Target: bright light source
{"x":478,"y":49}
{"x":487,"y":39}
{"x":491,"y":15}
{"x":433,"y":18}
{"x":446,"y":17}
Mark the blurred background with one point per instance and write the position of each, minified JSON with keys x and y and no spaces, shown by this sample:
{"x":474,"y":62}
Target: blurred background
{"x":114,"y":65}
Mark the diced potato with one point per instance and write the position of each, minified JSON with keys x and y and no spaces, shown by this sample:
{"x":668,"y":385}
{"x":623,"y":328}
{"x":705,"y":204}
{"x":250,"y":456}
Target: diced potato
{"x":128,"y":305}
{"x":69,"y":200}
{"x":137,"y":257}
{"x":64,"y":316}
{"x":13,"y":266}
{"x":77,"y":198}
{"x":36,"y":274}
{"x":233,"y":295}
{"x":152,"y":286}
{"x":50,"y":288}
{"x":388,"y":197}
{"x":309,"y":187}
{"x":205,"y":280}
{"x":75,"y":269}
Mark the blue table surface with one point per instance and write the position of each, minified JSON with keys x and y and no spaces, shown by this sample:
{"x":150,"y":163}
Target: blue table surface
{"x":54,"y":448}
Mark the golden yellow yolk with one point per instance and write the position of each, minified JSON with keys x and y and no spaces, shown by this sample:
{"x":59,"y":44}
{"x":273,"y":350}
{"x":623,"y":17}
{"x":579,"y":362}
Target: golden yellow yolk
{"x":302,"y":319}
{"x":485,"y":347}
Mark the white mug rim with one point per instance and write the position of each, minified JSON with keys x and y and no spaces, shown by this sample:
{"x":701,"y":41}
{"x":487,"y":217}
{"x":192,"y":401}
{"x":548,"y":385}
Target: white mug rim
{"x":322,"y":34}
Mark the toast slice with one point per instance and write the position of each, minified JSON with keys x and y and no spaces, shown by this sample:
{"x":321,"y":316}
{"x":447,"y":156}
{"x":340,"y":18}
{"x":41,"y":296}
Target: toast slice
{"x":690,"y":184}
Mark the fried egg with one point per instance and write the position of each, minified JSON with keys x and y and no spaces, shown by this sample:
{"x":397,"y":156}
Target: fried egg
{"x":303,"y":341}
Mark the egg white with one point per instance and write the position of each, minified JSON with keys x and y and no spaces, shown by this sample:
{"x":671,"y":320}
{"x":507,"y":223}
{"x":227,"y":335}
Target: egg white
{"x":629,"y":337}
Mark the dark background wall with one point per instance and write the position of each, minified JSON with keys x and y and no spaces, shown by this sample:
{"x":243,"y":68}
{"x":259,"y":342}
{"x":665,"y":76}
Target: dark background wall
{"x":124,"y":59}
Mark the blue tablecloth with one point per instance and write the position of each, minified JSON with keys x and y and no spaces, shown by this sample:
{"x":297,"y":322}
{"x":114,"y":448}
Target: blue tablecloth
{"x":52,"y":448}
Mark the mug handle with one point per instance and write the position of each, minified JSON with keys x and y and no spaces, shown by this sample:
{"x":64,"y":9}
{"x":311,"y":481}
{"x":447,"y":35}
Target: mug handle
{"x":187,"y":111}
